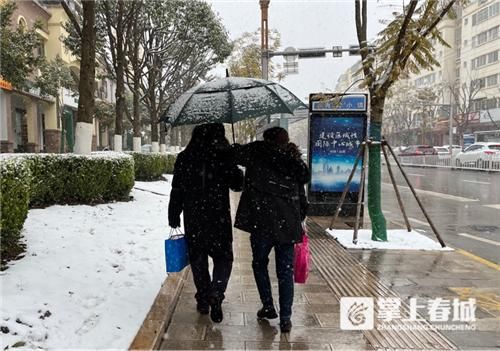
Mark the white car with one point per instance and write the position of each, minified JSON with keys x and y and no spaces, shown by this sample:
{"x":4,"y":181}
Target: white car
{"x":146,"y":148}
{"x":455,"y":149}
{"x":442,"y":152}
{"x":479,"y":155}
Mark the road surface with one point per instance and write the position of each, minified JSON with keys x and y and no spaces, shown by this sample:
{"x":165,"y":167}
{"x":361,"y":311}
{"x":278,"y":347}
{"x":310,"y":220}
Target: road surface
{"x":463,"y":204}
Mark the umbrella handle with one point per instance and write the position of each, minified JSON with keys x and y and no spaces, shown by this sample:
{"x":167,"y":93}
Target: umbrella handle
{"x":232,"y":127}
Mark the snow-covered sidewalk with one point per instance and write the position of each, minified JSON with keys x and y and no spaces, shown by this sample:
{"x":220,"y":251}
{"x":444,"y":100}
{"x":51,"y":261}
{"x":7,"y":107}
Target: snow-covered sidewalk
{"x":90,"y":273}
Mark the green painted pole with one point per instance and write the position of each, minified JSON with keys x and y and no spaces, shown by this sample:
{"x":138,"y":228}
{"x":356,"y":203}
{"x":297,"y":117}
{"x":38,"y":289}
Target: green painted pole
{"x":379,"y":226}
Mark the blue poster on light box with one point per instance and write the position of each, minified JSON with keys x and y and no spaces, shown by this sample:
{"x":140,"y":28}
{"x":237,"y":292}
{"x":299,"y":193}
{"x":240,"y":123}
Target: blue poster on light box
{"x":335,"y":143}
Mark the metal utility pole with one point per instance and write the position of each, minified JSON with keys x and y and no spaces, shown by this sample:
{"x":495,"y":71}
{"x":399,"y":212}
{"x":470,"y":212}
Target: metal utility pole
{"x":264,"y":37}
{"x":450,"y":132}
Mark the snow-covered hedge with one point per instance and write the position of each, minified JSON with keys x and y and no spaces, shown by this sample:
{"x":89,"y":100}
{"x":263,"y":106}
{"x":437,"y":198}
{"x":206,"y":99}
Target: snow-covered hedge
{"x":15,"y":180}
{"x":77,"y":179}
{"x":150,"y":166}
{"x":47,"y":179}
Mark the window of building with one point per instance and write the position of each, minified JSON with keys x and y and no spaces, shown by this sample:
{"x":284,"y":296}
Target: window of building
{"x":480,"y":2}
{"x":465,"y":64}
{"x":485,"y":36}
{"x":492,"y":57}
{"x":492,"y":103}
{"x":480,"y":83}
{"x":21,"y":22}
{"x":40,"y":50}
{"x":482,"y":60}
{"x":482,"y":38}
{"x":486,"y":13}
{"x":465,"y":42}
{"x":494,"y":9}
{"x":105,"y":89}
{"x":493,"y":33}
{"x":492,"y":80}
{"x":466,"y":21}
{"x":482,"y":15}
{"x":458,"y":35}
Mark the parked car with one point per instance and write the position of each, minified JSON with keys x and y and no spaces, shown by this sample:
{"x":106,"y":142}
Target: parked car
{"x":418,"y":150}
{"x":442,"y":152}
{"x":479,"y":155}
{"x":146,"y":148}
{"x":398,"y":149}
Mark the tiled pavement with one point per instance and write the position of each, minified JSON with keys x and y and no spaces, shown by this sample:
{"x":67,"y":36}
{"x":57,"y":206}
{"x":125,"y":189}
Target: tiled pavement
{"x":427,"y":275}
{"x":419,"y":274}
{"x":315,"y":316}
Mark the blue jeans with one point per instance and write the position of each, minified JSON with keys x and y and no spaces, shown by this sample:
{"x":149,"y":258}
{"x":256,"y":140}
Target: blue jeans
{"x":284,"y":256}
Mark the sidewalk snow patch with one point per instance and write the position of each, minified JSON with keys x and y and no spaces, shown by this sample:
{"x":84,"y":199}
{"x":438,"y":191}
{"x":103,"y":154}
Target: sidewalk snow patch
{"x":398,"y":239}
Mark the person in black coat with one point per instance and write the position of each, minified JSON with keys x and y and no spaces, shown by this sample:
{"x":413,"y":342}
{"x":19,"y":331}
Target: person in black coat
{"x":203,"y":174}
{"x":272,"y":207}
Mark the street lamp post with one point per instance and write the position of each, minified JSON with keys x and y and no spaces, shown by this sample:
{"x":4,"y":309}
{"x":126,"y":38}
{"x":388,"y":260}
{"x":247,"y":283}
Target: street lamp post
{"x":264,"y":41}
{"x":264,"y":37}
{"x":450,"y":131}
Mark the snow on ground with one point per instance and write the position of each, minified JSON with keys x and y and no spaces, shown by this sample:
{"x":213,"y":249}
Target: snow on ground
{"x":90,"y":273}
{"x":398,"y":239}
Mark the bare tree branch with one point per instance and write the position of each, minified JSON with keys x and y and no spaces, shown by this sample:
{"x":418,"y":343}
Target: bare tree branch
{"x":72,"y":17}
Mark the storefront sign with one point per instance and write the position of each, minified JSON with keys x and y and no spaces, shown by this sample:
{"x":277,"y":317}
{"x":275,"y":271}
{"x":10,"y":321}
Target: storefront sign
{"x":5,"y":84}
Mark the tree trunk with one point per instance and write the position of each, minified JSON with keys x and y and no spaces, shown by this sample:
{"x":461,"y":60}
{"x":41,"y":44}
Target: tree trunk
{"x":86,"y":103}
{"x":154,"y":132}
{"x":120,"y":77}
{"x":379,"y":227}
{"x":137,"y":72}
{"x":163,"y":137}
{"x":136,"y":122}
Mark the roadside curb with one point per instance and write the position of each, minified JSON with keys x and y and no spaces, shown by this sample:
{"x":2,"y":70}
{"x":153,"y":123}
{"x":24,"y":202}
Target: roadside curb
{"x":149,"y":335}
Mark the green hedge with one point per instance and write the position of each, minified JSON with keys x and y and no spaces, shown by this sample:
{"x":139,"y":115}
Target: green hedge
{"x":46,"y":179}
{"x":77,"y":179}
{"x":15,"y":179}
{"x":150,"y":166}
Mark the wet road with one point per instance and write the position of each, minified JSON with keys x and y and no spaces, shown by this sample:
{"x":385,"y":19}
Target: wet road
{"x":464,"y":205}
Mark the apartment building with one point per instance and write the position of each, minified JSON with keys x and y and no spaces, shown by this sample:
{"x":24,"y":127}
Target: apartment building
{"x":24,"y":112}
{"x":34,"y":123}
{"x":470,"y":65}
{"x":480,"y":64}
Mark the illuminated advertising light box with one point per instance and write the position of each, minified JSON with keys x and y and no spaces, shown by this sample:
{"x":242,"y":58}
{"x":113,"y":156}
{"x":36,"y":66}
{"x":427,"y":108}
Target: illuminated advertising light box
{"x":337,"y":127}
{"x":335,"y":142}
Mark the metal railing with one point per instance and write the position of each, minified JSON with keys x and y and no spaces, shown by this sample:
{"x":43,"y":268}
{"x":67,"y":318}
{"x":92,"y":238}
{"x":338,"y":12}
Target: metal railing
{"x":485,"y":163}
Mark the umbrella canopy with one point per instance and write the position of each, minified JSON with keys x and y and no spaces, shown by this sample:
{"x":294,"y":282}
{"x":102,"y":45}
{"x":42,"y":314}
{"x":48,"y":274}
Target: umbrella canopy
{"x":230,"y":100}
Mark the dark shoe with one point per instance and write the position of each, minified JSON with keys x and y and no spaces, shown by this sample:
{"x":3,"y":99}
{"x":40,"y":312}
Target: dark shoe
{"x":267,"y":312}
{"x":285,"y":325}
{"x":203,"y":308}
{"x":216,"y":312}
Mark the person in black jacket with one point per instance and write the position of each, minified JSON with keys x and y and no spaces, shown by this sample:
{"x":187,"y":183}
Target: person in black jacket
{"x":272,"y":208}
{"x":203,"y":174}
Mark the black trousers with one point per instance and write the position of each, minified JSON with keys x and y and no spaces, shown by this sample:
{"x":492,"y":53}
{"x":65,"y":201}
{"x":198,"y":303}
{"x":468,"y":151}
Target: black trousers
{"x":209,"y":290}
{"x":284,"y":256}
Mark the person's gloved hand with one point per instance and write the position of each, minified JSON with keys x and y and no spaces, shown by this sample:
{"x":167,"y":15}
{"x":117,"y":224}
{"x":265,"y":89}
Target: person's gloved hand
{"x":174,"y":222}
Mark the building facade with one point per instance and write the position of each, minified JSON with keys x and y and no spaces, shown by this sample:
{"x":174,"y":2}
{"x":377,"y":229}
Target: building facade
{"x":23,"y":113}
{"x":34,"y":123}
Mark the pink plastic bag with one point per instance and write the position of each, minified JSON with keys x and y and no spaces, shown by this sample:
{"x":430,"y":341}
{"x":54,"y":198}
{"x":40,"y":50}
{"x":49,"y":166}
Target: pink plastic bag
{"x":302,"y":259}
